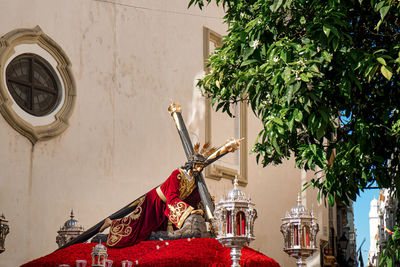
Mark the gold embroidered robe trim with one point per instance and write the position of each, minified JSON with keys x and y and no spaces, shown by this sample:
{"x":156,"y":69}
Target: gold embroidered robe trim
{"x":178,"y":212}
{"x":138,"y":201}
{"x":186,"y":187}
{"x":161,"y":194}
{"x":121,"y":227}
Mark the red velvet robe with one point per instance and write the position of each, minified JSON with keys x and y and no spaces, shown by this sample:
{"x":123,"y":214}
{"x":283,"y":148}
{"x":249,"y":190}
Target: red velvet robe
{"x":155,"y":209}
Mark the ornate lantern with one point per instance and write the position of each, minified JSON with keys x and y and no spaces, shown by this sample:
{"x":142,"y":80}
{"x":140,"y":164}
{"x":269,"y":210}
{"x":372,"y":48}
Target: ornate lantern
{"x":299,"y":229}
{"x":235,"y":222}
{"x":99,"y":255}
{"x":69,"y":231}
{"x":4,"y":230}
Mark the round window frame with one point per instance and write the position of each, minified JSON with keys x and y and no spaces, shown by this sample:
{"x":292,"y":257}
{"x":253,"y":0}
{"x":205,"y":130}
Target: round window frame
{"x":21,"y":41}
{"x":48,"y":69}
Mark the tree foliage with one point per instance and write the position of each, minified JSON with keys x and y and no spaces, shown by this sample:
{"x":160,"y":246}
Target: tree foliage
{"x":322,"y":76}
{"x":390,"y":254}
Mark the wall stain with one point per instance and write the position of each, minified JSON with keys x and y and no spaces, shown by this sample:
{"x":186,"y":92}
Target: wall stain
{"x":30,"y":178}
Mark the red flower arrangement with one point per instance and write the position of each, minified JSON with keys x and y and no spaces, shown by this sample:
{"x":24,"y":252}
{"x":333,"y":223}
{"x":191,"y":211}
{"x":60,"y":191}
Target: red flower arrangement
{"x":180,"y":252}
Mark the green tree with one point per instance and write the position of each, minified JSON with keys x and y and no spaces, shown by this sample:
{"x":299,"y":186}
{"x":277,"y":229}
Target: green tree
{"x":390,"y":254}
{"x":322,"y":76}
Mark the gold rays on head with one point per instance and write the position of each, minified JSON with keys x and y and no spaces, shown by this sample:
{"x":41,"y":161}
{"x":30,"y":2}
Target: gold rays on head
{"x":196,"y":148}
{"x":205,"y":151}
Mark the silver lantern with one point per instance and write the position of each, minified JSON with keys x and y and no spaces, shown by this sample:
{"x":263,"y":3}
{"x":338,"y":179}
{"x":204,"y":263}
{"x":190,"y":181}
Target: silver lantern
{"x":299,"y":229}
{"x":99,"y":255}
{"x":234,"y":218}
{"x":4,"y":230}
{"x":69,"y":231}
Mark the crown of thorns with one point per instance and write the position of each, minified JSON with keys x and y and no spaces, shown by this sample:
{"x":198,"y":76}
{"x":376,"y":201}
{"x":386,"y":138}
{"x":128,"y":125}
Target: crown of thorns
{"x":199,"y":156}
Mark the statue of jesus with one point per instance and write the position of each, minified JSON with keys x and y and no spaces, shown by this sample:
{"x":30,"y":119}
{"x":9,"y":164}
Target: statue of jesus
{"x":173,"y":202}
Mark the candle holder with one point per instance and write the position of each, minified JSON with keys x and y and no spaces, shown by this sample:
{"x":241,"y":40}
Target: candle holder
{"x":235,"y":218}
{"x":99,"y":256}
{"x":299,"y":229}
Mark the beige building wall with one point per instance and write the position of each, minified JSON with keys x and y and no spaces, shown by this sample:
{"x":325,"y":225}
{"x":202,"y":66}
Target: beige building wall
{"x":129,"y":59}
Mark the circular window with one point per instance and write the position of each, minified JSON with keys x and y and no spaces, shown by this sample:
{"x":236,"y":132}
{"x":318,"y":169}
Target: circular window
{"x":37,"y":88}
{"x":33,"y":84}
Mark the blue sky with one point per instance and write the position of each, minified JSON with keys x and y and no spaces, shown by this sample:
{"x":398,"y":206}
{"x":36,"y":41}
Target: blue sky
{"x":361,"y":219}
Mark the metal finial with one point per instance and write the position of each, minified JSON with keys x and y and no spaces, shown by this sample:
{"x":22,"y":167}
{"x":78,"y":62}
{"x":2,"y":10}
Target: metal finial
{"x":72,"y":213}
{"x":299,"y":199}
{"x":235,"y":182}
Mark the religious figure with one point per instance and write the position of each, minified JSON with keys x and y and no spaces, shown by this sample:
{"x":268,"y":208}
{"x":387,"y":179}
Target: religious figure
{"x":172,"y":202}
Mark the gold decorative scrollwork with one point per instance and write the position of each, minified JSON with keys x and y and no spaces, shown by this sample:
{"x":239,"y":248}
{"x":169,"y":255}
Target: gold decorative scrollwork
{"x":178,"y":212}
{"x":186,"y":186}
{"x":121,"y":227}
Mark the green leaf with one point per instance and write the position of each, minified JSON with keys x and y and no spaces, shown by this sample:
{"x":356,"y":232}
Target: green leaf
{"x":304,"y":77}
{"x":275,"y":144}
{"x":335,"y":43}
{"x":298,"y":115}
{"x":383,"y":11}
{"x":326,"y":56}
{"x":289,"y":93}
{"x":286,"y":74}
{"x":248,"y":52}
{"x":381,"y":60}
{"x":331,"y":199}
{"x":276,"y":5}
{"x":329,"y":28}
{"x":324,"y":115}
{"x":389,"y":262}
{"x":326,"y":30}
{"x":219,"y":106}
{"x":379,"y":5}
{"x":379,"y":51}
{"x":313,"y":148}
{"x":277,"y":121}
{"x":284,"y":55}
{"x":303,"y":20}
{"x":315,"y":68}
{"x":281,"y":131}
{"x":248,"y":62}
{"x":387,"y":72}
{"x":320,"y":132}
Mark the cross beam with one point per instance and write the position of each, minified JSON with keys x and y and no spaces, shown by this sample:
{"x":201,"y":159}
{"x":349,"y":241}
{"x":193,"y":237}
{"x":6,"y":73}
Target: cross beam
{"x":176,"y":113}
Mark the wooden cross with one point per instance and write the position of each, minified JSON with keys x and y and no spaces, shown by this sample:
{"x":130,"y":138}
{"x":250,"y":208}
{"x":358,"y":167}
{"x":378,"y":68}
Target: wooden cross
{"x":176,"y":113}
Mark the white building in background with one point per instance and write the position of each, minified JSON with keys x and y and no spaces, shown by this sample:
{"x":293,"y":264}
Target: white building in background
{"x":373,"y":233}
{"x":381,"y":216}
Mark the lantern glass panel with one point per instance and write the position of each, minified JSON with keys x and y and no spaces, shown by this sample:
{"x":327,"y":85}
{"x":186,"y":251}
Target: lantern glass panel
{"x":296,"y":237}
{"x":305,"y":236}
{"x":229,"y":222}
{"x":240,"y":223}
